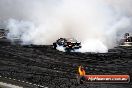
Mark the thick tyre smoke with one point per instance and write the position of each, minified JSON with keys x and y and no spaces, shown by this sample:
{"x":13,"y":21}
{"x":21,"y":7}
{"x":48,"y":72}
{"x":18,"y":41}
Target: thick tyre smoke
{"x":95,"y":23}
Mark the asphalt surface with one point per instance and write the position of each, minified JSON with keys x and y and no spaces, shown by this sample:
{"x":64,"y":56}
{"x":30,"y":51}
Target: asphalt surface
{"x":42,"y":66}
{"x":5,"y":85}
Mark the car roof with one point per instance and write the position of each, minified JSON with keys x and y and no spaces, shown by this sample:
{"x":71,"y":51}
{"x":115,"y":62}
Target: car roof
{"x":71,"y":40}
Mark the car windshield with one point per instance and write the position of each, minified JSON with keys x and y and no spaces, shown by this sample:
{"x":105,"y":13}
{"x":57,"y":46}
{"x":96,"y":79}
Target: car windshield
{"x":71,"y":40}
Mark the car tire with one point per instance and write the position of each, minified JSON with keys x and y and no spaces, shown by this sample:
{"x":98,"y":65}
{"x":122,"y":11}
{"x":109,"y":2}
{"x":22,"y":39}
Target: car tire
{"x":54,"y":45}
{"x":67,"y":49}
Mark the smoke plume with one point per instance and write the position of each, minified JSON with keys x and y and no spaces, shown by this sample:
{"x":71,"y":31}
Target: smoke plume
{"x":98,"y":24}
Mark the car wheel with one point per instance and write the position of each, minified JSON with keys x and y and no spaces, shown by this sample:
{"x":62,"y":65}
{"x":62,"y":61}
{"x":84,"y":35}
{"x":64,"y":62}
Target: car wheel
{"x":67,"y":49}
{"x":54,"y":45}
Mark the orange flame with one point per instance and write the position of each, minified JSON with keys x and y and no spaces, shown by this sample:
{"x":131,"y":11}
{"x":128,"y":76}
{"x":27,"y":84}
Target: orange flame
{"x":81,"y":71}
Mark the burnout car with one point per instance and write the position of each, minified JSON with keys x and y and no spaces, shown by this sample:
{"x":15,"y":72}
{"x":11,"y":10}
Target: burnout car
{"x":69,"y":44}
{"x":3,"y":34}
{"x":127,"y":40}
{"x":7,"y":40}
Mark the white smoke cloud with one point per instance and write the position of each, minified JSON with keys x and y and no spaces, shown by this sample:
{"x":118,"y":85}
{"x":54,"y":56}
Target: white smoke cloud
{"x":96,"y":23}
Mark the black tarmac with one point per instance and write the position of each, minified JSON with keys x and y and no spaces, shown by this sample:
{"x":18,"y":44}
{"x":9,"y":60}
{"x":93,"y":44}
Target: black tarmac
{"x":42,"y":65}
